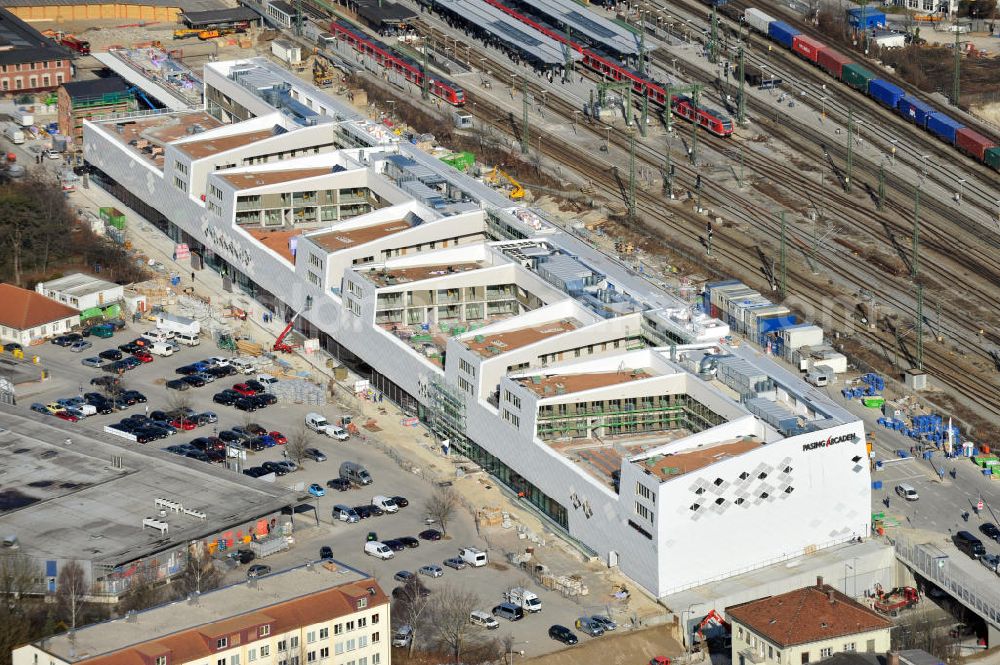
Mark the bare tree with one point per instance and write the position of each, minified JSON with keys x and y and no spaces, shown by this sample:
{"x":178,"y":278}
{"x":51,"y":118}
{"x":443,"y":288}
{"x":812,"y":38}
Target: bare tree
{"x":178,"y":401}
{"x":199,"y":574}
{"x":449,"y":620}
{"x":113,"y":389}
{"x":410,"y":608}
{"x":923,"y":628}
{"x":142,"y":592}
{"x":71,"y":591}
{"x":19,"y":576}
{"x":442,"y":506}
{"x":507,"y":643}
{"x":299,"y":441}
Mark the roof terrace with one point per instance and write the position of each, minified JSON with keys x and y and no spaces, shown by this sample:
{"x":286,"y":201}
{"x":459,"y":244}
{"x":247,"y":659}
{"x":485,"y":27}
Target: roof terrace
{"x":278,"y":240}
{"x":218,"y":144}
{"x":253,"y":179}
{"x":339,"y":239}
{"x":382,"y":277}
{"x":561,"y":384}
{"x":677,"y":464}
{"x":148,"y":135}
{"x":501,"y":342}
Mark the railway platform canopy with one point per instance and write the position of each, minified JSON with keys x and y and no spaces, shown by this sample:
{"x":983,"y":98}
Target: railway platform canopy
{"x":220,"y":18}
{"x":497,"y":27}
{"x":599,"y":31}
{"x":384,"y":16}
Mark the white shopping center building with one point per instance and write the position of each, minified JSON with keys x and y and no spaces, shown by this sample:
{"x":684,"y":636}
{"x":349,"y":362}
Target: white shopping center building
{"x":610,"y":406}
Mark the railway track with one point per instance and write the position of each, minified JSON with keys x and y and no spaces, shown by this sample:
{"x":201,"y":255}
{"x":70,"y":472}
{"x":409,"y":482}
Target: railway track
{"x":742,"y":254}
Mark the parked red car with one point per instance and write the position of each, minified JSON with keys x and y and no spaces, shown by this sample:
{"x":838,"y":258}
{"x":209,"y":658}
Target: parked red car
{"x":143,"y":356}
{"x":66,"y":415}
{"x":279,"y":438}
{"x":244,"y":390}
{"x":183,"y":423}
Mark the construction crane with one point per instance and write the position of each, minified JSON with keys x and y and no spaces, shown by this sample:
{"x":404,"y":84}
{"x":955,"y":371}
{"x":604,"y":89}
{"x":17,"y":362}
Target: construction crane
{"x":279,"y":344}
{"x":516,"y":189}
{"x":186,"y":32}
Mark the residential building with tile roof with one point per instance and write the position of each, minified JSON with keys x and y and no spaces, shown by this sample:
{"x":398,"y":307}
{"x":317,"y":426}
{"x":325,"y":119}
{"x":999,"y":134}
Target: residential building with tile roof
{"x":805,"y":625}
{"x":321,"y":613}
{"x":26,"y":315}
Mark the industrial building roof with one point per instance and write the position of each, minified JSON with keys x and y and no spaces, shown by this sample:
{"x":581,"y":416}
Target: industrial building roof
{"x":377,"y":12}
{"x":90,"y":88}
{"x":70,"y":502}
{"x":21,"y":309}
{"x":287,"y":600}
{"x":599,"y":30}
{"x":807,"y":615}
{"x":488,"y":345}
{"x":510,"y":31}
{"x":219,"y":16}
{"x":78,"y":284}
{"x":25,"y":43}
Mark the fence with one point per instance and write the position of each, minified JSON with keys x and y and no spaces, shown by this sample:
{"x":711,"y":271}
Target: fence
{"x":936,"y":567}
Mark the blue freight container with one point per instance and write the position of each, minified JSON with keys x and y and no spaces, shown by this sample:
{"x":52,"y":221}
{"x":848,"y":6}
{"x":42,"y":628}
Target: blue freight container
{"x":885,"y":93}
{"x":943,"y":127}
{"x":914,"y":110}
{"x":775,"y":323}
{"x":782,"y":33}
{"x":865,"y":18}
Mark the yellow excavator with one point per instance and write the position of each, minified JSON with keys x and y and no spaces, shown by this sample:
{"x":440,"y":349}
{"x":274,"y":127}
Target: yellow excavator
{"x":323,"y":73}
{"x":516,"y":189}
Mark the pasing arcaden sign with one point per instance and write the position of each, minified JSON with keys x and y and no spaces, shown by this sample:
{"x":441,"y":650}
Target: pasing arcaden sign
{"x":827,"y":442}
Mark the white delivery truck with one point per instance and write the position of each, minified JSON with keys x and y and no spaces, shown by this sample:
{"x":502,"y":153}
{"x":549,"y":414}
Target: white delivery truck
{"x":161,"y":349}
{"x":23,"y":117}
{"x":526,"y":600}
{"x":473,"y":556}
{"x":179,"y":325}
{"x":13,"y":133}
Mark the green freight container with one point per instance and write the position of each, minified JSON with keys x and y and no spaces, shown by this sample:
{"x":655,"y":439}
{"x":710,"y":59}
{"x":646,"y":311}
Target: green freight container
{"x":857,"y":77}
{"x":462,"y":161}
{"x":114,"y":217}
{"x":992,"y":158}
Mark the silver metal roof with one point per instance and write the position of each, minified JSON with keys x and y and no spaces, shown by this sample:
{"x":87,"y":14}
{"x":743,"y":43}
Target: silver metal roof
{"x":596,"y":28}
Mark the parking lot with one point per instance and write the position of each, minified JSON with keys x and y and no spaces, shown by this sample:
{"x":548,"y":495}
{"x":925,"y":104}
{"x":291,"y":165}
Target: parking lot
{"x":69,"y":377}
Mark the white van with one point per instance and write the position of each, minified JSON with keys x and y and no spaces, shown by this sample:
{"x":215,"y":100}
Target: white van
{"x":385,"y":503}
{"x":379,"y":550}
{"x":187,"y":339}
{"x":162,"y":349}
{"x":473,"y":556}
{"x":158,"y":335}
{"x":402,"y":636}
{"x":242,"y":365}
{"x":484,"y":619}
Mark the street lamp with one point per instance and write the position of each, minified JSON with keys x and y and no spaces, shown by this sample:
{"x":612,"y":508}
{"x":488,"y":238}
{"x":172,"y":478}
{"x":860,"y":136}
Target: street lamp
{"x":510,"y":651}
{"x":688,"y":643}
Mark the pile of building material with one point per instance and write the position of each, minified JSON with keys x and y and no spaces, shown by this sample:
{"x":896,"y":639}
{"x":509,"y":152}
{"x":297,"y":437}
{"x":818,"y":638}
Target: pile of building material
{"x":298,"y":391}
{"x":249,"y":348}
{"x":567,"y":585}
{"x":490,"y":516}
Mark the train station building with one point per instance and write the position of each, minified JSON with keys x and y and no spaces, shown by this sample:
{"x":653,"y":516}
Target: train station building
{"x":615,"y":410}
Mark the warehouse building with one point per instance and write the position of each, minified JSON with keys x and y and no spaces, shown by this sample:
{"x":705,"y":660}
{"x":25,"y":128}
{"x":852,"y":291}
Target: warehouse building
{"x":614,"y":409}
{"x":322,"y":613}
{"x":30,"y":61}
{"x":83,"y":293}
{"x":124,"y":515}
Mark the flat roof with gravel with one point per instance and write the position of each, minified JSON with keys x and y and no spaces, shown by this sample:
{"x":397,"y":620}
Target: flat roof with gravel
{"x":87,"y":500}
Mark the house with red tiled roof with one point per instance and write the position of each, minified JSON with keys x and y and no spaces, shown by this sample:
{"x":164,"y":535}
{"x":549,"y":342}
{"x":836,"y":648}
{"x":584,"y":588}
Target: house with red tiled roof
{"x":323,"y":613}
{"x":26,"y":315}
{"x":804,"y":626}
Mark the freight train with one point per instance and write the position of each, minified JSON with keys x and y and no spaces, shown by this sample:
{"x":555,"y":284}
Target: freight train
{"x":609,"y":68}
{"x":391,"y":59}
{"x":979,"y":147}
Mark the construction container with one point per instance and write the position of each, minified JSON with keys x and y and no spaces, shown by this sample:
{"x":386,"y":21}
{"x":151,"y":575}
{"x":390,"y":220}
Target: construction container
{"x":992,"y":158}
{"x":286,"y":51}
{"x":885,"y":93}
{"x":832,"y":61}
{"x":707,"y":294}
{"x":856,"y":76}
{"x":803,"y":334}
{"x":865,"y":18}
{"x":973,"y":143}
{"x":720,"y":294}
{"x":758,"y":20}
{"x":807,"y":47}
{"x":773,"y":323}
{"x":782,"y":33}
{"x":113,"y":217}
{"x":914,"y":110}
{"x":943,"y":126}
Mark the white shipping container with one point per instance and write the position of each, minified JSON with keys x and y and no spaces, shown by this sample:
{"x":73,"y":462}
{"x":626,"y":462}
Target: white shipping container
{"x":802,"y":335}
{"x":890,"y":40}
{"x":758,"y":20}
{"x":286,"y":51}
{"x":24,"y":117}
